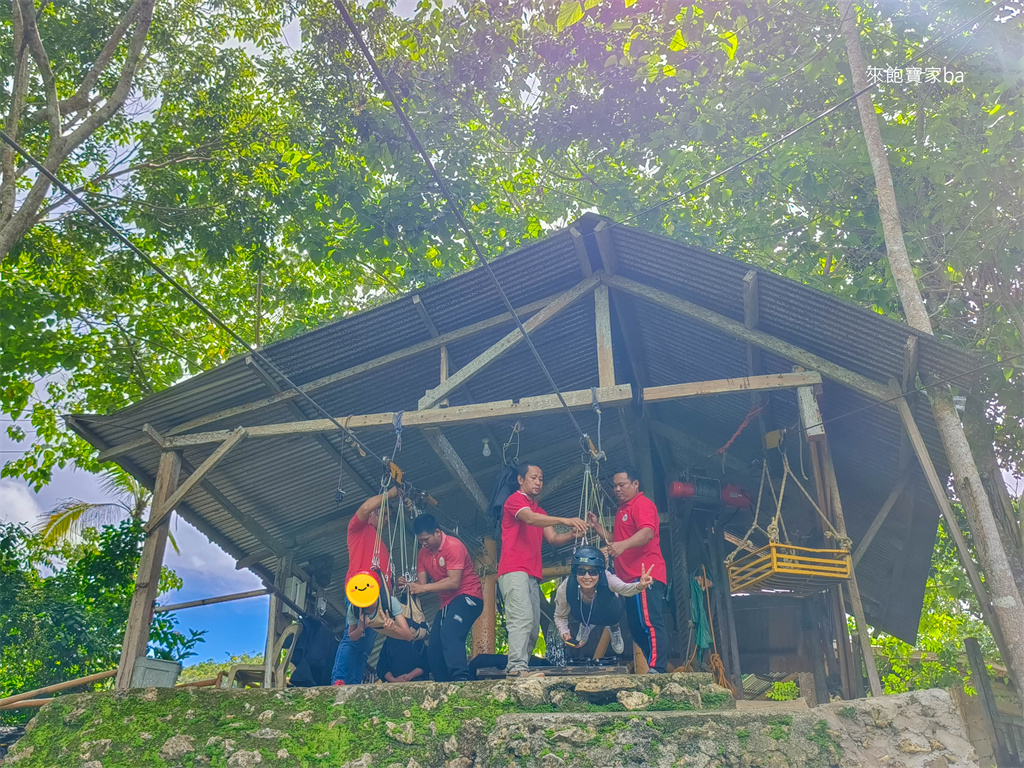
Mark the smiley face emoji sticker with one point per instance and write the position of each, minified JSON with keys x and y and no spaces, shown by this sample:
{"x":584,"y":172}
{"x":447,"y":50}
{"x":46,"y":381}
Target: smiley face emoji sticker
{"x":362,"y":589}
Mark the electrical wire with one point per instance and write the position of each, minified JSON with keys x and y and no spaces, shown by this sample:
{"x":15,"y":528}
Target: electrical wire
{"x":450,"y":201}
{"x":125,"y":240}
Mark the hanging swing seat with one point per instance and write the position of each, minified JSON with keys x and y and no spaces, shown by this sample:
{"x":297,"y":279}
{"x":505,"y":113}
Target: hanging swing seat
{"x":798,"y":570}
{"x":780,"y":566}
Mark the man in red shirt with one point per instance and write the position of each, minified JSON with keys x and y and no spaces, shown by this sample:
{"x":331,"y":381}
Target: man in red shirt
{"x":524,"y":525}
{"x":350,"y":661}
{"x":636,"y":547}
{"x":444,"y":566}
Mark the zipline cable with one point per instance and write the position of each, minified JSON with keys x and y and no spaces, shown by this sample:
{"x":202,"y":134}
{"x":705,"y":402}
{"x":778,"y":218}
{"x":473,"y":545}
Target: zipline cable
{"x":209,"y":313}
{"x":450,"y":201}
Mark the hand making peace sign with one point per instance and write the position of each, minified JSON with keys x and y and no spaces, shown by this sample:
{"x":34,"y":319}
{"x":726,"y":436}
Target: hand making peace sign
{"x":646,"y":579}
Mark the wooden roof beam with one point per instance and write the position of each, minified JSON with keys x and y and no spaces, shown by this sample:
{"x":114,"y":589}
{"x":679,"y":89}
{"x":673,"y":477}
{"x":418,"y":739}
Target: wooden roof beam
{"x":433,"y":417}
{"x":356,"y":370}
{"x":730,"y":327}
{"x":510,"y":340}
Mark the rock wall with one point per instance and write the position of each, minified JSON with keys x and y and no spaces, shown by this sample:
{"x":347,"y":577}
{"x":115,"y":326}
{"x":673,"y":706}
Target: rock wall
{"x":590,"y":722}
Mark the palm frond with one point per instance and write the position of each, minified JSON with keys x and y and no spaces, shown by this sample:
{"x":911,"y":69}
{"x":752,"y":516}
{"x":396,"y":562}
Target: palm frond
{"x":67,"y":520}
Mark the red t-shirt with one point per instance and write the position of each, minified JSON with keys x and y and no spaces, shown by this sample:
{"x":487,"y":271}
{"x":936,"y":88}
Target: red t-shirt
{"x":451,"y":555}
{"x":361,"y":539}
{"x":635,"y":514}
{"x":520,"y":543}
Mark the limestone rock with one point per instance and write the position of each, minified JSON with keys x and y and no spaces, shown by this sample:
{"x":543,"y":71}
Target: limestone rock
{"x":633,"y":700}
{"x":177,"y":747}
{"x":94,"y":749}
{"x":680,"y":695}
{"x":363,"y":762}
{"x":245,"y":759}
{"x":459,"y":762}
{"x":529,"y":693}
{"x":149,"y":694}
{"x":270,"y":733}
{"x":282,"y":754}
{"x":403,"y":733}
{"x":265,"y":716}
{"x":303,"y":717}
{"x":604,"y":689}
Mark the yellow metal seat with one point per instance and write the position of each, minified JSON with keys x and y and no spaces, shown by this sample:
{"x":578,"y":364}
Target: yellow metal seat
{"x":784,"y":567}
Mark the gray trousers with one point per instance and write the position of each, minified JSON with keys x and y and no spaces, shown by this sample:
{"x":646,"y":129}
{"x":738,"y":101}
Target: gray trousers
{"x":521,"y":594}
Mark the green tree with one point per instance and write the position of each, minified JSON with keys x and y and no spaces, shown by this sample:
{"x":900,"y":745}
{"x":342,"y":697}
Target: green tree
{"x":64,"y":606}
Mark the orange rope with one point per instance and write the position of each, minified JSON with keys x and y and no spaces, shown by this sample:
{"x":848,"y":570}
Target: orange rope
{"x":754,"y":410}
{"x":717,"y":666}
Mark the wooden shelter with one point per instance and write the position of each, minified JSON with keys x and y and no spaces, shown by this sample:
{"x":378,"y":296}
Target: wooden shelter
{"x":678,"y":346}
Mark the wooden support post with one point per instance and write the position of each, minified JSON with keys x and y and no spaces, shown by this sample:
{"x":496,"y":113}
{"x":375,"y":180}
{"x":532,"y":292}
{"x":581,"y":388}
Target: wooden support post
{"x":828,"y":487}
{"x":939,"y":494}
{"x":269,"y":661}
{"x":484,"y":627}
{"x":603,"y":324}
{"x":858,"y":607}
{"x":982,"y":684}
{"x":160,"y":512}
{"x":140,"y":615}
{"x":751,"y":320}
{"x":725,"y":601}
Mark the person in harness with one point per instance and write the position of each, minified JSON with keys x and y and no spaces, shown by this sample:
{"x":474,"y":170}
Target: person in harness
{"x":592,"y":597}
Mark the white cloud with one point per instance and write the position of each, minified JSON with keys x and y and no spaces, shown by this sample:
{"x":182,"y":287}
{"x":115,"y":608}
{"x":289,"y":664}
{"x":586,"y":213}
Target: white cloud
{"x":17,"y":503}
{"x":205,"y":566}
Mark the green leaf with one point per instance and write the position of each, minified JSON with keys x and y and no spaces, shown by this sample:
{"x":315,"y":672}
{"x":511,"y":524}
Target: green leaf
{"x":570,"y":12}
{"x":730,"y":43}
{"x":678,"y":42}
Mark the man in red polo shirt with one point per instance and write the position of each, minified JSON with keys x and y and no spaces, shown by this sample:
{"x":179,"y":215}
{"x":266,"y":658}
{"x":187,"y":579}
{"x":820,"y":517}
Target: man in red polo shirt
{"x":636,"y":545}
{"x":443,"y":565}
{"x":350,"y":661}
{"x":524,"y":525}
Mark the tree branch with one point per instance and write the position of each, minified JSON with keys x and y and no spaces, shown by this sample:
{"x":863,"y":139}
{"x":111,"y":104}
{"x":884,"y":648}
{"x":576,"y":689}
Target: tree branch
{"x":80,"y":101}
{"x":144,"y":19}
{"x":35,"y":45}
{"x":8,"y":176}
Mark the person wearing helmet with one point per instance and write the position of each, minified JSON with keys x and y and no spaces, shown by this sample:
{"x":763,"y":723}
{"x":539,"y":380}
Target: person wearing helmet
{"x":592,"y":597}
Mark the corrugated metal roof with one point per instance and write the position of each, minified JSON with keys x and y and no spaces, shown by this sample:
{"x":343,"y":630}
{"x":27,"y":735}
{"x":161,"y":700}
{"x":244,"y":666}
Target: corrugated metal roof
{"x":282,"y":491}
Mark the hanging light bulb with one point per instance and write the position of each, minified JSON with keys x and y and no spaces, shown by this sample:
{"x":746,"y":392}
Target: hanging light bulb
{"x":487,"y":446}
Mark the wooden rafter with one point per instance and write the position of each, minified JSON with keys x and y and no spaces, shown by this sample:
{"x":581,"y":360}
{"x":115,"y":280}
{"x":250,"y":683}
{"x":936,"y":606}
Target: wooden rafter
{"x":160,"y":511}
{"x":329,"y":447}
{"x":506,"y":343}
{"x":349,"y":373}
{"x":730,"y":327}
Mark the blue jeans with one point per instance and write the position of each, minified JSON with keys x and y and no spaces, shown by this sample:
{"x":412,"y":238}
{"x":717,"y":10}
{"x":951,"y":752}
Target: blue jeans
{"x":350,"y":661}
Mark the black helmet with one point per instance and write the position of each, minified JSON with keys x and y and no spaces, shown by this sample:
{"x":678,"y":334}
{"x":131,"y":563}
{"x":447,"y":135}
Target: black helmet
{"x":588,"y":556}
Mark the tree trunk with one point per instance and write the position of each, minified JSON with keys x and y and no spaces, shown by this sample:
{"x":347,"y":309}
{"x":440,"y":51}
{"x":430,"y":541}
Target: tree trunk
{"x":1006,"y":602}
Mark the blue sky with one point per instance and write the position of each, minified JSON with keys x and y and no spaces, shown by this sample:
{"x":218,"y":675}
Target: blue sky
{"x":232,"y":628}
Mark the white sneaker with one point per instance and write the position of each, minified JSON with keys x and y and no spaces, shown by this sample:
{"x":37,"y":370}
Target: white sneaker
{"x":583,"y":634}
{"x":617,"y":645}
